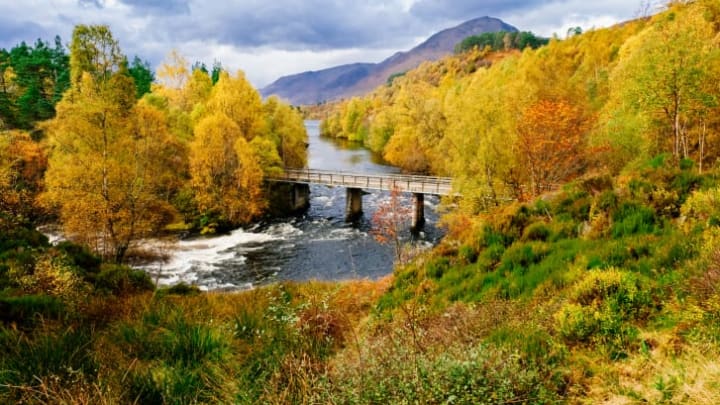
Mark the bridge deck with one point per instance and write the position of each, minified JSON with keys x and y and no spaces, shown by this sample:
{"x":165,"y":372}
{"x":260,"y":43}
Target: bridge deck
{"x":387,"y":182}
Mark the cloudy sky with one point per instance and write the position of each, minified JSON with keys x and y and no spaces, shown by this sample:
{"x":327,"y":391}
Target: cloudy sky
{"x":271,"y":38}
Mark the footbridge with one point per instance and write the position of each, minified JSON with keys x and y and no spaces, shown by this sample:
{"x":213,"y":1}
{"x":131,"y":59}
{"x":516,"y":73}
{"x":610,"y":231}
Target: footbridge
{"x":356,"y":182}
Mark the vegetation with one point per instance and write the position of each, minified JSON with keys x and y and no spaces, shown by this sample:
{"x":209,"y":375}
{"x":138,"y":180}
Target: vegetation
{"x":581,"y":265}
{"x":503,"y":123}
{"x":119,"y":158}
{"x":501,"y":41}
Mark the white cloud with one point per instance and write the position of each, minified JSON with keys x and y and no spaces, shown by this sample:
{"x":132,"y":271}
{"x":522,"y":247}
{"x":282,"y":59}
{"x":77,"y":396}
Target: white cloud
{"x":269,"y":39}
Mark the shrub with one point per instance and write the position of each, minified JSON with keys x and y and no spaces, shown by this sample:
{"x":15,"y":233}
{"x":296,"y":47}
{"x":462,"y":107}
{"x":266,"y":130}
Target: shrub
{"x":80,"y":256}
{"x":703,"y":207}
{"x":467,"y":254}
{"x":437,"y":267}
{"x":538,"y":231}
{"x":24,"y":310}
{"x":181,"y":288}
{"x":120,"y":280}
{"x":633,"y":219}
{"x":602,"y":307}
{"x":484,"y":373}
{"x":520,"y":256}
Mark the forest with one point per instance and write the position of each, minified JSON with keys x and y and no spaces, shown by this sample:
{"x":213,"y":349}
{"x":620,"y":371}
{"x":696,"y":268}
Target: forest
{"x":580,"y":265}
{"x":116,"y":156}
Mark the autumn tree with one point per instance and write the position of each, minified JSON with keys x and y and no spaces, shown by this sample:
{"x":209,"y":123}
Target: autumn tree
{"x":226,"y":176}
{"x":22,"y":168}
{"x":285,"y":127}
{"x":390,"y":221}
{"x":104,"y":172}
{"x":238,"y":100}
{"x":661,"y":85}
{"x":94,"y":51}
{"x":551,"y":144}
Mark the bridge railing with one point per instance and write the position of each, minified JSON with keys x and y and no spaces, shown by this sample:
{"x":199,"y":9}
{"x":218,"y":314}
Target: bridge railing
{"x":405,"y":183}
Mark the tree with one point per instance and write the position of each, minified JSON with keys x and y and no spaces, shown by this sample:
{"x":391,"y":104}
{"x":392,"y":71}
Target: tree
{"x":93,"y":50}
{"x":551,"y":144}
{"x":389,"y":221}
{"x":238,"y":100}
{"x":285,"y":127}
{"x":32,"y":80}
{"x":663,"y":78}
{"x":226,"y":176}
{"x":104,"y":171}
{"x":143,"y":76}
{"x":22,"y":168}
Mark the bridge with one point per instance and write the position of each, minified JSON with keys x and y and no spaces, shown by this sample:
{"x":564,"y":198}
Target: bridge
{"x":355,"y":182}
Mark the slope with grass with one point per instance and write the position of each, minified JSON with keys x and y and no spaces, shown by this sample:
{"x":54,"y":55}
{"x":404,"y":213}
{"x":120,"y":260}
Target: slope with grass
{"x":604,"y":292}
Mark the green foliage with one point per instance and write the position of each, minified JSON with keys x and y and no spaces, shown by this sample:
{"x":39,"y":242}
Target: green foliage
{"x":119,"y":279}
{"x":63,"y":355}
{"x":143,"y":76}
{"x":633,"y":219}
{"x":186,"y":359}
{"x":38,"y":76}
{"x":538,"y":231}
{"x":180,"y":289}
{"x":483,"y":374}
{"x":501,"y":40}
{"x":603,"y":307}
{"x":28,"y":309}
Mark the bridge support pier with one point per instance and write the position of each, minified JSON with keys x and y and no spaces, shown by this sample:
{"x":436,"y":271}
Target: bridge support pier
{"x":418,"y":219}
{"x":300,"y":197}
{"x":353,"y":205}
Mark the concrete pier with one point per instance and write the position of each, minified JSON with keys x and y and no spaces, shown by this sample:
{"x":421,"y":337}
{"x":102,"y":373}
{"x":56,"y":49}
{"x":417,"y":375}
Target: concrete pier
{"x":300,"y":197}
{"x":353,"y":205}
{"x":418,"y":219}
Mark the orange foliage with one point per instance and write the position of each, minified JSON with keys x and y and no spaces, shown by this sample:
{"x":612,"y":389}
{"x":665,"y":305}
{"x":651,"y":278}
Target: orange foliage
{"x":551,"y":144}
{"x":22,"y":168}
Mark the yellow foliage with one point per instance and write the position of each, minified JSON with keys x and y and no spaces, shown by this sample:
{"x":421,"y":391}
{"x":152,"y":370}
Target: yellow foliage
{"x":285,"y":127}
{"x":239,"y":101}
{"x":104,"y":172}
{"x":226,"y":175}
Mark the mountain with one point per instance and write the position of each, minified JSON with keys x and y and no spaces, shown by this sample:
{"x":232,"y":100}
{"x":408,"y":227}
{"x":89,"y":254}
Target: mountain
{"x":360,"y":78}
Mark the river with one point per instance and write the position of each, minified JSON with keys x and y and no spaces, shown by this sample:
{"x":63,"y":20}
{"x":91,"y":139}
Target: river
{"x":315,"y":245}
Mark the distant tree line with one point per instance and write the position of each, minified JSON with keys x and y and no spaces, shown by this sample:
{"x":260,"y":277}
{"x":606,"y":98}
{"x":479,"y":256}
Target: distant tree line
{"x":501,"y":40}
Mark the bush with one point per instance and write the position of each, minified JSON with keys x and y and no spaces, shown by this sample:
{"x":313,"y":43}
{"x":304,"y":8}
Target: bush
{"x":120,"y":280}
{"x":437,"y":267}
{"x":475,"y":375}
{"x":467,"y":254}
{"x":80,"y":256}
{"x":182,"y":289}
{"x":633,"y":219}
{"x":24,"y":310}
{"x":538,"y":231}
{"x":520,"y":256}
{"x":602,"y":308}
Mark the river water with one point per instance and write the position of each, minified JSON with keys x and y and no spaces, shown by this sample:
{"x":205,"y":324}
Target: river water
{"x":315,"y":245}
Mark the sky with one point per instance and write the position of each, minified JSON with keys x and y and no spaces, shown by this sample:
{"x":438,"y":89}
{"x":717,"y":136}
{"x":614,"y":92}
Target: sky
{"x":271,"y":38}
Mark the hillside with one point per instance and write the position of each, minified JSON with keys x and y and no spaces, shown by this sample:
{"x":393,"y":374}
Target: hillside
{"x":360,"y":78}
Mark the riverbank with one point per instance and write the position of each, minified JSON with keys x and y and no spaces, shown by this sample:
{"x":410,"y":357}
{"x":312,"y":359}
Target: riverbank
{"x":315,"y":244}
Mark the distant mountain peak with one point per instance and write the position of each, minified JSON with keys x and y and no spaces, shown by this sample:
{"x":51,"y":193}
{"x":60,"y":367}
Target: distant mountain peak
{"x":360,"y":78}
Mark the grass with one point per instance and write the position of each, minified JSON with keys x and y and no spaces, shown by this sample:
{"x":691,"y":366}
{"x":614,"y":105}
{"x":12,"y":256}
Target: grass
{"x":588,"y":297}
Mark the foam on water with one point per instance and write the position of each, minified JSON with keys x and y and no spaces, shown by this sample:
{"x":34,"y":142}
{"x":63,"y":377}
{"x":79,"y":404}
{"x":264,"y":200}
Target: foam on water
{"x":189,"y":259}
